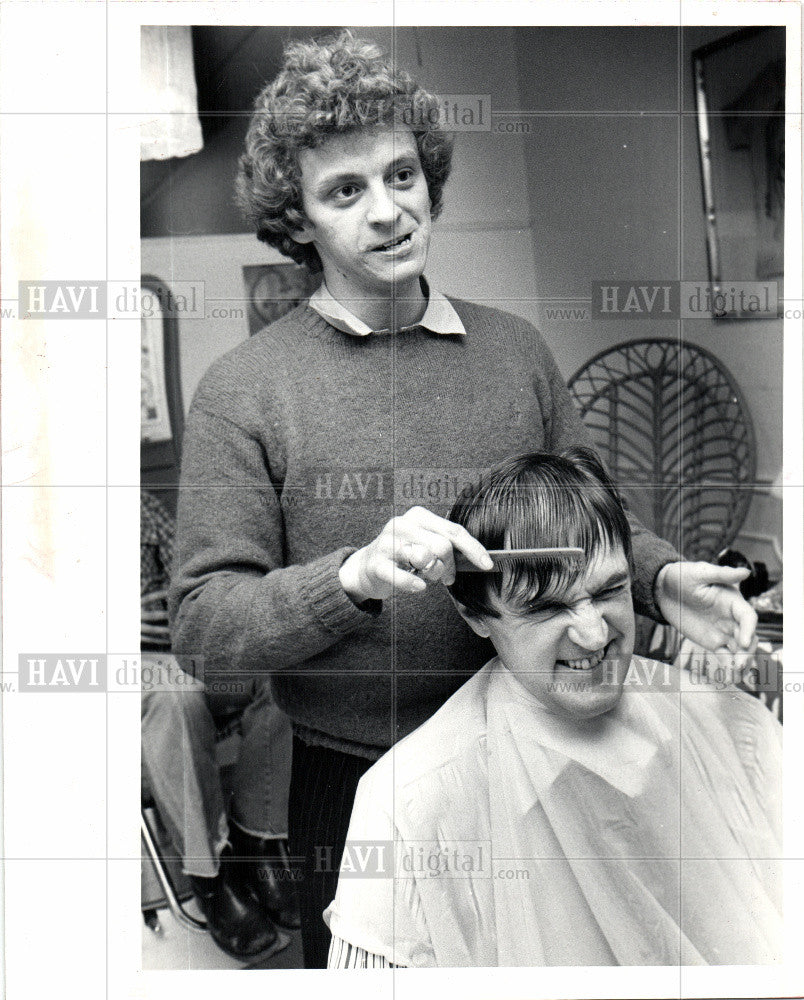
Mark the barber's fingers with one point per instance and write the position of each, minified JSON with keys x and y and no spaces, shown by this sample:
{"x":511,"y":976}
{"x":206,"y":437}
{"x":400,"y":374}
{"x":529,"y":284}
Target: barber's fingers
{"x":728,"y":576}
{"x":397,"y":577}
{"x":410,"y":551}
{"x":457,"y":536}
{"x":427,"y":563}
{"x":416,"y":540}
{"x":735,"y":628}
{"x":425,"y":546}
{"x":746,"y":620}
{"x":418,"y":555}
{"x":736,"y":644}
{"x":725,"y":639}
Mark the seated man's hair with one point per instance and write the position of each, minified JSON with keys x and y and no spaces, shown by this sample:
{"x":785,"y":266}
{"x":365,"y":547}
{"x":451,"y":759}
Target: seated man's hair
{"x":328,"y":88}
{"x":536,"y":501}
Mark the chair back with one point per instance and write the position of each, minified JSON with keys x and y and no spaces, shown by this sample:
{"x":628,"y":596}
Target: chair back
{"x":671,"y":425}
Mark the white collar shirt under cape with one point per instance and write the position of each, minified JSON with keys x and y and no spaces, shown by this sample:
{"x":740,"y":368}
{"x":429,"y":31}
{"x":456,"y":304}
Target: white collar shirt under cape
{"x":502,"y":834}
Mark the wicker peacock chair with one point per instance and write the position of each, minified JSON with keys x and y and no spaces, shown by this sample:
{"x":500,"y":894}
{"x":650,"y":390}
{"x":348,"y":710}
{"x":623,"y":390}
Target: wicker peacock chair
{"x":672,"y":426}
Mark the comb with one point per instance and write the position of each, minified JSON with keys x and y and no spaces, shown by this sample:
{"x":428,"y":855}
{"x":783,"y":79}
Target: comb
{"x":504,"y":557}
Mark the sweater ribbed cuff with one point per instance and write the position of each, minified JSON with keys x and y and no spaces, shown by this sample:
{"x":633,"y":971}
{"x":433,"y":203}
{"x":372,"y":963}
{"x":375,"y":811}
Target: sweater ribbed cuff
{"x":330,"y":603}
{"x":649,"y":561}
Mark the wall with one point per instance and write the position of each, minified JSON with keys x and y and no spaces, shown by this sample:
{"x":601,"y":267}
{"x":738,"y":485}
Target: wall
{"x":614,"y":182}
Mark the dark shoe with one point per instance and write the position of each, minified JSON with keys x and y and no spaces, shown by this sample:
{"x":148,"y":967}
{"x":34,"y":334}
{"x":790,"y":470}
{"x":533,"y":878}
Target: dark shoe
{"x":267,"y":870}
{"x":235,"y":919}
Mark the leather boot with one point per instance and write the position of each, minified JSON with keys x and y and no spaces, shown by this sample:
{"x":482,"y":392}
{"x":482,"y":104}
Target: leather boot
{"x":235,"y":918}
{"x":268,"y":872}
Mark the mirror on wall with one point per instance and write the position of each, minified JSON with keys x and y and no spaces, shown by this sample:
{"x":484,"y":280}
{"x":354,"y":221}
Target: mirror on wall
{"x":740,"y":101}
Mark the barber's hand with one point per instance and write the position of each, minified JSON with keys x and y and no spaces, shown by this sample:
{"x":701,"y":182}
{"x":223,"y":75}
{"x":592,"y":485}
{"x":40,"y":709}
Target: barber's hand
{"x":702,"y":601}
{"x":410,"y":552}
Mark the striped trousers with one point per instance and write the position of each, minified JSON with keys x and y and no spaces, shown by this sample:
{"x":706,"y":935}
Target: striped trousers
{"x":323,"y":784}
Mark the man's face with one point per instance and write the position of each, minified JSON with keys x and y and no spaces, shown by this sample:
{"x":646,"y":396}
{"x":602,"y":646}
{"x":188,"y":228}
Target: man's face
{"x":574,"y":656}
{"x":368,"y":213}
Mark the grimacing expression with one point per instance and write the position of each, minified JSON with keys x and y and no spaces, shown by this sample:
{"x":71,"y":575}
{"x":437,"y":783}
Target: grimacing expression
{"x":367,"y":207}
{"x":573,"y":656}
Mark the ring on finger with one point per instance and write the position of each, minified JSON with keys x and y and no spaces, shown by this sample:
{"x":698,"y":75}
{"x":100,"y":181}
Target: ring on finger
{"x":421,"y":570}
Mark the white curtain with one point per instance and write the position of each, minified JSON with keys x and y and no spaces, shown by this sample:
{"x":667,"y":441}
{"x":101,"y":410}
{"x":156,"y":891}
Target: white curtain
{"x":170,"y":125}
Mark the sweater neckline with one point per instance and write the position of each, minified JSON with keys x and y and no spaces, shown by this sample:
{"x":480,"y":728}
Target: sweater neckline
{"x":317,"y":327}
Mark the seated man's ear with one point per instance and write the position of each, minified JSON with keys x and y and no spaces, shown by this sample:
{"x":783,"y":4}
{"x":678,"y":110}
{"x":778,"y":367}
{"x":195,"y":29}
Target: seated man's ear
{"x":475,"y":622}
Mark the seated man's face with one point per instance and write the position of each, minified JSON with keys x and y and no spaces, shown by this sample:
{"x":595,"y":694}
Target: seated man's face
{"x":368,"y":210}
{"x":573,"y":656}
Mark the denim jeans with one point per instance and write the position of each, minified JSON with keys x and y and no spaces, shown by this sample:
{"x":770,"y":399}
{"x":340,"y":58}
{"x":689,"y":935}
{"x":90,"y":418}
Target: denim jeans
{"x":181,"y":769}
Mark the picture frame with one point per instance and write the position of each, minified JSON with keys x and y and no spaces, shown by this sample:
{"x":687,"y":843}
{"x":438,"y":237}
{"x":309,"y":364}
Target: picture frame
{"x":154,"y":415}
{"x":161,"y":406}
{"x":273,"y":290}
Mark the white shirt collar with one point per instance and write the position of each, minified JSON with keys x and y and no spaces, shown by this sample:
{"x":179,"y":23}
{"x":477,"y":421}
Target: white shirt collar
{"x":439,"y":316}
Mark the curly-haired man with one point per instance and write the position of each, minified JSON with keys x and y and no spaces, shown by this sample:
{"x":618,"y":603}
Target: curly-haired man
{"x":296,"y":550}
{"x":323,"y":91}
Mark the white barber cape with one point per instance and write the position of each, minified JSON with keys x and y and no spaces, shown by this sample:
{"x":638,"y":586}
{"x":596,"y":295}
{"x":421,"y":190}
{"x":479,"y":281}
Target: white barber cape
{"x":648,"y":836}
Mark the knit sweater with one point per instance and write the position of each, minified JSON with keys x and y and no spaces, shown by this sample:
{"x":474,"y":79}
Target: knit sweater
{"x":300,"y":444}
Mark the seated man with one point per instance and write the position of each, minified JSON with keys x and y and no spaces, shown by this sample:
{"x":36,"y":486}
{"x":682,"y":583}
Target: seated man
{"x":236,"y":858}
{"x":570,"y":804}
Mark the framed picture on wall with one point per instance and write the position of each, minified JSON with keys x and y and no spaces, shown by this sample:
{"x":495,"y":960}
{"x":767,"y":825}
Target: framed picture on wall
{"x":740,"y":101}
{"x":154,"y":413}
{"x":273,"y":290}
{"x":161,"y":407}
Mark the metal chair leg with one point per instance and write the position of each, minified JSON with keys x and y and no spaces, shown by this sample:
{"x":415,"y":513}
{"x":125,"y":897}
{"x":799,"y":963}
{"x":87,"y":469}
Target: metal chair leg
{"x":151,"y":918}
{"x":150,"y":841}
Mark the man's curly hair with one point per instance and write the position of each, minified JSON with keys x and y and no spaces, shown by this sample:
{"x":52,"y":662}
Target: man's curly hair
{"x":328,"y":88}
